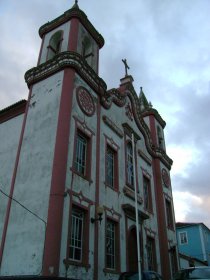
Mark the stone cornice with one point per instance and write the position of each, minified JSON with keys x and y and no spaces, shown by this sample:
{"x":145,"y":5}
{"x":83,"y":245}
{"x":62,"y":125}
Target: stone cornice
{"x":119,"y":98}
{"x":73,"y":13}
{"x":113,"y":126}
{"x":65,"y":60}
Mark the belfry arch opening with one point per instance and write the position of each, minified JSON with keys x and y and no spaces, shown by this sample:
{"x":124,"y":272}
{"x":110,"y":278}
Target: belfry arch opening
{"x":54,"y":46}
{"x":87,"y":49}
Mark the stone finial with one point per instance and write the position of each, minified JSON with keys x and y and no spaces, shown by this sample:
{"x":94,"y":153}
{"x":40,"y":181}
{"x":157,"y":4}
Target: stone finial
{"x":76,"y":4}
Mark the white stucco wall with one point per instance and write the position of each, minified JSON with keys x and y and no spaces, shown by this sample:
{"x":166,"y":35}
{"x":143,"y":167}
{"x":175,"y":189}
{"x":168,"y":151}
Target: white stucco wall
{"x":26,"y":233}
{"x":9,"y":139}
{"x":107,"y":197}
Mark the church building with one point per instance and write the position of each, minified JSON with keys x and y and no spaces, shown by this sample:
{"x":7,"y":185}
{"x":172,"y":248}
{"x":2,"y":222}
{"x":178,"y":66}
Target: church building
{"x":71,"y":158}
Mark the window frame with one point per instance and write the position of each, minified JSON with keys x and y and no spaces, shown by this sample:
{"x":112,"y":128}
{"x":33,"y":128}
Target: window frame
{"x":76,"y":235}
{"x":88,"y":162}
{"x":80,"y":161}
{"x":148,"y":207}
{"x":169,"y":214}
{"x":130,"y":161}
{"x":51,"y":51}
{"x":115,"y":168}
{"x":180,"y":238}
{"x":84,"y":261}
{"x":116,"y":267}
{"x":151,"y":241}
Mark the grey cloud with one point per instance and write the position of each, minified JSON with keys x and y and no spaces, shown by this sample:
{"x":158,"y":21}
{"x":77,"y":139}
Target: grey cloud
{"x":166,"y":44}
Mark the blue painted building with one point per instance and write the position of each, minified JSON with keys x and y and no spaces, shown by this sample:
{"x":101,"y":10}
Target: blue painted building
{"x":194,"y":240}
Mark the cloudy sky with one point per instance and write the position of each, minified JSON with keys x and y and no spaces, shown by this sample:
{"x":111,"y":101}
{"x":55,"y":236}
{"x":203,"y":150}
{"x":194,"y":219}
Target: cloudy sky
{"x":167,"y":46}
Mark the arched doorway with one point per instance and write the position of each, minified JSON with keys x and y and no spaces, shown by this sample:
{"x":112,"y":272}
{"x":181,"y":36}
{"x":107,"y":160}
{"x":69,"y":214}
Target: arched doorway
{"x":132,"y":250}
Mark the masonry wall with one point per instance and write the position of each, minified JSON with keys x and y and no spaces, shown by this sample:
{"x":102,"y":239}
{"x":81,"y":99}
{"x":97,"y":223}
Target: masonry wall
{"x":9,"y":139}
{"x":26,"y":230}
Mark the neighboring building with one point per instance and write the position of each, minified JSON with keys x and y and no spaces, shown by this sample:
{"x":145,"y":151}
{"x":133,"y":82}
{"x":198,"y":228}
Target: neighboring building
{"x":67,"y":167}
{"x":186,"y":261}
{"x":194,"y":240}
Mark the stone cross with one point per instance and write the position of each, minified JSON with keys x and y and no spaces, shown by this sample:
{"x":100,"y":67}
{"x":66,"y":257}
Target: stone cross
{"x":126,"y":66}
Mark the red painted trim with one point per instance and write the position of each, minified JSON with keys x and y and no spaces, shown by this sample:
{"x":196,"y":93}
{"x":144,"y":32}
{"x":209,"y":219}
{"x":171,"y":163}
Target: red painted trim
{"x":6,"y":221}
{"x":149,"y":189}
{"x":56,"y":202}
{"x":97,"y":186}
{"x":126,"y":242}
{"x":73,"y":35}
{"x":128,"y":141}
{"x":88,"y":134}
{"x":85,"y":248}
{"x":153,"y":130}
{"x":151,"y":239}
{"x":161,"y":220}
{"x":41,"y":49}
{"x":114,"y":147}
{"x":117,"y":248}
{"x":142,"y":247}
{"x":136,"y":166}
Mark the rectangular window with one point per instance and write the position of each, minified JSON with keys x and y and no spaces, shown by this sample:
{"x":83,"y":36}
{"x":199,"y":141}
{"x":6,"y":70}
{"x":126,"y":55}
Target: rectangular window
{"x":169,"y":214}
{"x":151,"y":253}
{"x":76,"y":235}
{"x":147,"y":194}
{"x":111,"y":168}
{"x":173,"y":258}
{"x":129,"y":158}
{"x":183,"y":237}
{"x":112,"y":246}
{"x":81,"y":154}
{"x":110,"y":165}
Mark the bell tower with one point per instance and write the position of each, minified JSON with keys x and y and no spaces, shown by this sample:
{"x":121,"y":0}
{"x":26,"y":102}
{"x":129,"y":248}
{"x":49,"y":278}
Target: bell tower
{"x":71,"y":32}
{"x":69,"y":49}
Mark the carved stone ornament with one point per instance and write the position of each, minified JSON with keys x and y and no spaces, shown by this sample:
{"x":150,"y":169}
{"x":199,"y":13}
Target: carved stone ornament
{"x":128,"y":112}
{"x":166,"y":178}
{"x":85,"y":101}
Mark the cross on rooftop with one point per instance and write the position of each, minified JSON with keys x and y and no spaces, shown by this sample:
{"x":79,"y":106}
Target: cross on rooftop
{"x":126,"y":66}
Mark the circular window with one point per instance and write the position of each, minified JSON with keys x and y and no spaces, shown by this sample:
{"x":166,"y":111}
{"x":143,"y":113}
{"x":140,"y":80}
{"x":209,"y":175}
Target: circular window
{"x":85,"y":101}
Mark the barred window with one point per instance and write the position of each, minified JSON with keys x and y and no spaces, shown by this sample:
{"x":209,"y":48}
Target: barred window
{"x":110,"y":245}
{"x":169,"y":214}
{"x":110,"y":167}
{"x":183,"y":237}
{"x":81,"y":154}
{"x":76,"y":235}
{"x":147,"y":194}
{"x":129,"y":152}
{"x":151,"y":253}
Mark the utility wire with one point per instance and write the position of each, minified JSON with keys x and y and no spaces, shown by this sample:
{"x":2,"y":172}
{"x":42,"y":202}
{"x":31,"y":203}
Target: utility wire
{"x":34,"y":214}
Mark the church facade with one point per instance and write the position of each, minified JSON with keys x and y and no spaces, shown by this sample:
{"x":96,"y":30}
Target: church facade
{"x":70,"y":159}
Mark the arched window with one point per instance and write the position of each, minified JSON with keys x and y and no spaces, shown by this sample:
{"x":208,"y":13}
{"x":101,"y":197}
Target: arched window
{"x":129,"y":158}
{"x":54,"y":44}
{"x":160,"y":138}
{"x":87,"y":51}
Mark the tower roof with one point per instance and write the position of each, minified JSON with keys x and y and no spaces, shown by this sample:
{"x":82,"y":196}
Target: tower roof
{"x":144,"y":104}
{"x":74,"y":12}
